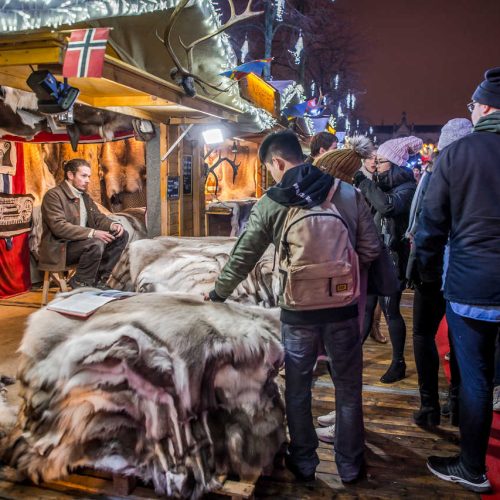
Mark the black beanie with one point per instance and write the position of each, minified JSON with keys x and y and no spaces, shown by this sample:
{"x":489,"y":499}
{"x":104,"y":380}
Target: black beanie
{"x":488,"y":91}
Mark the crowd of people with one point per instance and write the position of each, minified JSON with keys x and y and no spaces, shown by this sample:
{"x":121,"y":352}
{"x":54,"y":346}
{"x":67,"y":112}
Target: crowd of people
{"x":436,"y":230}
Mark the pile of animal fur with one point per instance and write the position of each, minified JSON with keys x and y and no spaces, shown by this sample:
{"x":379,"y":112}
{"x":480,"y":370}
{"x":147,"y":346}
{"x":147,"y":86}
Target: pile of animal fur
{"x":191,"y":265}
{"x":164,"y":387}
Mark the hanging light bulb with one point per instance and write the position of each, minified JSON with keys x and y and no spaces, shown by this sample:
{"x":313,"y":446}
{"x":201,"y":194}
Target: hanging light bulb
{"x":336,"y":81}
{"x":299,"y":47}
{"x":280,"y":9}
{"x":244,"y":49}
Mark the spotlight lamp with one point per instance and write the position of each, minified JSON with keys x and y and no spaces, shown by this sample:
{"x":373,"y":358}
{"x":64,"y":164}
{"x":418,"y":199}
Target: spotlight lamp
{"x":53,"y":96}
{"x":213,"y":136}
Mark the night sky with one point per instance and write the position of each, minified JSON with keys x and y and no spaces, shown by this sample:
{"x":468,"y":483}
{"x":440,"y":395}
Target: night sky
{"x":424,"y":57}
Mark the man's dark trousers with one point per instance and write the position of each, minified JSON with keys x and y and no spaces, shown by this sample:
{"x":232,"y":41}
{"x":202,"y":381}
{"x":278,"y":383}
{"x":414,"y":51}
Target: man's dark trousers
{"x":342,"y":341}
{"x":94,"y":258}
{"x":474,"y":345}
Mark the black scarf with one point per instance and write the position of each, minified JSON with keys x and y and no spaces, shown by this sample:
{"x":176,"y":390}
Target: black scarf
{"x":302,"y":186}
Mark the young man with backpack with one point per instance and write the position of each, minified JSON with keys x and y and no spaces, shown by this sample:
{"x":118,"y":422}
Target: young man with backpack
{"x":321,"y":246}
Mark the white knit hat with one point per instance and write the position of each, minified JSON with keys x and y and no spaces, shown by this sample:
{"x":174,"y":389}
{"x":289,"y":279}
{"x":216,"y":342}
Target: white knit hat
{"x":398,"y":151}
{"x":453,"y":130}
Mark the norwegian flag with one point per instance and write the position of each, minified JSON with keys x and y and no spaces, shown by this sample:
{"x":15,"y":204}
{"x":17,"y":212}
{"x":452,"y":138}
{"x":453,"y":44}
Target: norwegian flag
{"x":85,"y":53}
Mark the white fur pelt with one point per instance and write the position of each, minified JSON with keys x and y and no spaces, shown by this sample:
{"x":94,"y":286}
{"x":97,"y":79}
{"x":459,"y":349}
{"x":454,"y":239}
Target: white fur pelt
{"x":8,"y":413}
{"x":191,"y":265}
{"x":164,"y":387}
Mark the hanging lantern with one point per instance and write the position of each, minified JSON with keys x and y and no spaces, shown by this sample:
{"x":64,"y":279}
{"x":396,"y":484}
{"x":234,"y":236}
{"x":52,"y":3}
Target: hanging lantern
{"x":313,"y":88}
{"x":353,"y":101}
{"x":280,"y":9}
{"x":336,"y":81}
{"x":299,"y":47}
{"x":244,"y":49}
{"x":339,"y":111}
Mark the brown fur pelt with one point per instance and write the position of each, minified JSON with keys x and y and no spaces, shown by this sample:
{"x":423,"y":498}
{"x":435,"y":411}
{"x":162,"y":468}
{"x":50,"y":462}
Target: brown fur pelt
{"x":165,"y":387}
{"x":191,"y":265}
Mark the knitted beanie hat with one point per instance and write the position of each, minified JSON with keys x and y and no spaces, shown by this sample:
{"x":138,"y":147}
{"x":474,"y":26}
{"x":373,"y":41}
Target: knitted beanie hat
{"x":344,"y":163}
{"x":488,"y":91}
{"x":398,"y":151}
{"x":453,"y":130}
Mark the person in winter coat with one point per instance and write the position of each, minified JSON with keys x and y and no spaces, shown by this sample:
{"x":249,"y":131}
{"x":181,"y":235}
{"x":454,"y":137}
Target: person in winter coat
{"x":390,"y":194}
{"x":303,"y":185}
{"x":429,"y":304}
{"x":461,"y":206}
{"x":76,"y":233}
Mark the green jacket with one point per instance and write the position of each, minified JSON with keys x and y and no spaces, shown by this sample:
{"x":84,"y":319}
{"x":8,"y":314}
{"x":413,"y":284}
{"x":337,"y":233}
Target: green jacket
{"x":264,"y":227}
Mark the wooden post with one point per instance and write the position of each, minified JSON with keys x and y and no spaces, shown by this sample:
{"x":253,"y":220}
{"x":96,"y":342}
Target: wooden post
{"x":164,"y":215}
{"x":155,"y":198}
{"x":198,"y":196}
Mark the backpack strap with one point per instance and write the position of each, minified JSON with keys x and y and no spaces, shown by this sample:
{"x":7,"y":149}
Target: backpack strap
{"x":331,"y":193}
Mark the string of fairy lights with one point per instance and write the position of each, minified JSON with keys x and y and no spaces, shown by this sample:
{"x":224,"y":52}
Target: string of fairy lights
{"x":25,"y":15}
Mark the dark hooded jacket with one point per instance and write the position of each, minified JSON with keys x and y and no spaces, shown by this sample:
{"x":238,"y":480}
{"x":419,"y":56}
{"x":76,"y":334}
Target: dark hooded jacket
{"x":304,"y":186}
{"x":390,"y":196}
{"x":462,"y":203}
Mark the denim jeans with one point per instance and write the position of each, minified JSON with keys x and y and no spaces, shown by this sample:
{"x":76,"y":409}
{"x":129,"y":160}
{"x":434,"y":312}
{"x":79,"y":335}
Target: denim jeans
{"x":474,"y":346}
{"x":342,"y":342}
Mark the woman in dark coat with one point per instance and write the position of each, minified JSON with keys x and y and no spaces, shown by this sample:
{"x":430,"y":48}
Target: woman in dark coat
{"x":390,"y":193}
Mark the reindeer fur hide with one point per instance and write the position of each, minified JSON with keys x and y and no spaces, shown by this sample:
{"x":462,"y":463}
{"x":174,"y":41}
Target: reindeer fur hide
{"x":191,"y":265}
{"x":164,"y":387}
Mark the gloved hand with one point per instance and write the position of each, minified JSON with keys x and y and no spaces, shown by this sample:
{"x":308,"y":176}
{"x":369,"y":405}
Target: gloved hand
{"x":358,"y":178}
{"x":429,"y":287}
{"x":212,"y":296}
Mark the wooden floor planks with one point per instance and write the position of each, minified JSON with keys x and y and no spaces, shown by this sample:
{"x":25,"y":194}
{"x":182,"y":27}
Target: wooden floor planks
{"x":396,"y":449}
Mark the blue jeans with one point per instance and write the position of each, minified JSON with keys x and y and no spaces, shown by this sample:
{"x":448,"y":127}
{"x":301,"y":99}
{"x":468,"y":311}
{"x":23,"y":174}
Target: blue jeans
{"x":342,"y":341}
{"x":474,"y":346}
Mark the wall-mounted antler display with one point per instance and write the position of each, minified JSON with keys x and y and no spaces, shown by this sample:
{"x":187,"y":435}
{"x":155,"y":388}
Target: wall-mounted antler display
{"x":211,"y":170}
{"x":183,"y":75}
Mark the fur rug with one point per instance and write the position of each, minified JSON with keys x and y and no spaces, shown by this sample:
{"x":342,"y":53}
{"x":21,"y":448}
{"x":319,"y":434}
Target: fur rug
{"x":191,"y":265}
{"x":8,"y":413}
{"x":164,"y":387}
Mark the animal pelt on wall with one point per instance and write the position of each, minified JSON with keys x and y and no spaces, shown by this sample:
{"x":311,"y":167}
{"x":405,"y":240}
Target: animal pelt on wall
{"x":165,"y":387}
{"x":230,"y":187}
{"x":191,"y":265}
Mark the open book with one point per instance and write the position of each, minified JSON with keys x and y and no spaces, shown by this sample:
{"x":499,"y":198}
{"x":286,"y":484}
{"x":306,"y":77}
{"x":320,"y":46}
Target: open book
{"x":85,"y":303}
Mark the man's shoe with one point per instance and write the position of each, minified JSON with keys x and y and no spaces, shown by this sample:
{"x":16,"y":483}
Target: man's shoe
{"x":299,"y":476}
{"x":496,"y":398}
{"x":452,"y":469}
{"x":397,"y":371}
{"x":327,"y":420}
{"x":74,"y":282}
{"x":326,"y":434}
{"x":102,"y":285}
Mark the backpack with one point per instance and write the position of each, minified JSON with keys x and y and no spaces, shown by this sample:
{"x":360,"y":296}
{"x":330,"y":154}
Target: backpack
{"x":318,"y":265}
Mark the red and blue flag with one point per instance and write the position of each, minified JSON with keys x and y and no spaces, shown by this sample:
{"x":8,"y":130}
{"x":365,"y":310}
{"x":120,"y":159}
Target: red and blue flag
{"x":243,"y":70}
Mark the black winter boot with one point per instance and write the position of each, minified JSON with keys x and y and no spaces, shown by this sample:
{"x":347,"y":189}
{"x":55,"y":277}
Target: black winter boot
{"x":428,"y":416}
{"x":397,"y":371}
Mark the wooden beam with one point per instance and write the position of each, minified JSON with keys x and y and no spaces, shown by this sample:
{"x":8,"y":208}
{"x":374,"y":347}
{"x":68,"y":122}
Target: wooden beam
{"x":22,"y":56}
{"x":128,"y":100}
{"x":163,"y":181}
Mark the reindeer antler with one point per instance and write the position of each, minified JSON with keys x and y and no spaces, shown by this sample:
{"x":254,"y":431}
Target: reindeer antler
{"x":182,"y":74}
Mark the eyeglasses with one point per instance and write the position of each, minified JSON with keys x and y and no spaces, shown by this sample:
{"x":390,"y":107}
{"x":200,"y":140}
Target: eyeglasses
{"x":471,"y":106}
{"x":378,"y":162}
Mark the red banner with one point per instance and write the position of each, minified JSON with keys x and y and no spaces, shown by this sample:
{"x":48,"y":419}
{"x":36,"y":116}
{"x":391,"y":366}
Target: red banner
{"x":85,"y":53}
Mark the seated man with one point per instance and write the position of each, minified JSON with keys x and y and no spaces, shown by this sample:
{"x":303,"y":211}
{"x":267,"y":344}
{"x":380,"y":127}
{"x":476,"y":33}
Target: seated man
{"x":76,"y":233}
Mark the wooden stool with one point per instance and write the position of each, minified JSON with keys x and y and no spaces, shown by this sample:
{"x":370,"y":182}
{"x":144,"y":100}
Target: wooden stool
{"x":60,"y":277}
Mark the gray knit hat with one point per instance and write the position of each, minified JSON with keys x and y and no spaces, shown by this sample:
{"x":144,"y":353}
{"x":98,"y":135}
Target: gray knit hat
{"x":453,"y":130}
